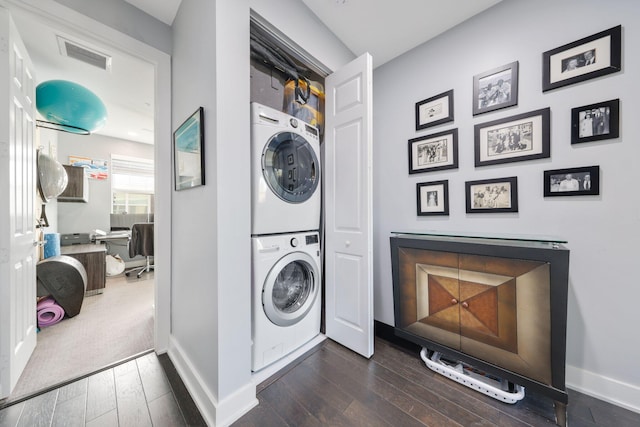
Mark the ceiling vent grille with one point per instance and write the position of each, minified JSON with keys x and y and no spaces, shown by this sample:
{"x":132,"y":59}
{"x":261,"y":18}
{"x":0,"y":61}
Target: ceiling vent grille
{"x":82,"y":53}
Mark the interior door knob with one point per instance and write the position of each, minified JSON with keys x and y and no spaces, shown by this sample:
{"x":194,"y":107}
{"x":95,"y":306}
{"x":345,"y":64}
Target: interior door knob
{"x":454,"y":301}
{"x":465,"y":304}
{"x":347,"y":243}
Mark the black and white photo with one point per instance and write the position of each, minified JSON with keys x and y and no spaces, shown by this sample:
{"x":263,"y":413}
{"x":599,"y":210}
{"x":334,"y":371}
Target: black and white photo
{"x":595,"y":122}
{"x":495,"y":89}
{"x":583,"y":181}
{"x":432,"y":198}
{"x":434,"y":152}
{"x":435,"y":110}
{"x":513,"y":139}
{"x":594,"y":56}
{"x":492,"y":195}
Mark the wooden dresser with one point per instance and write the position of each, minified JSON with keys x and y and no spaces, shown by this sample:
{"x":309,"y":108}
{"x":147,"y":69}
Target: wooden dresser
{"x":93,"y":259}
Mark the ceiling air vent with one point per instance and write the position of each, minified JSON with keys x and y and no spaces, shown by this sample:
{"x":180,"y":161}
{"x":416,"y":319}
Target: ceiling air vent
{"x":84,"y":54}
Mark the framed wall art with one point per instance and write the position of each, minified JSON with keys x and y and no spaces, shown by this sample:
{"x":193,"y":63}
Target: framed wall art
{"x":435,"y":110}
{"x":188,"y":152}
{"x":492,"y":195}
{"x":595,"y":122}
{"x":584,"y":59}
{"x":495,"y":89}
{"x":435,"y":152}
{"x":583,"y":181}
{"x":513,"y":139}
{"x":432,"y":198}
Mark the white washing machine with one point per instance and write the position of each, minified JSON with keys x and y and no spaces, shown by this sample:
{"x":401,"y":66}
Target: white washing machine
{"x":285,"y":173}
{"x":286,"y":295}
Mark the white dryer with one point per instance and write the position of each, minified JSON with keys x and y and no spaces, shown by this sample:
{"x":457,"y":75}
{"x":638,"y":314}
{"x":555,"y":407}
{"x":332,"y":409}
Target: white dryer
{"x":286,"y":295}
{"x":285,"y":173}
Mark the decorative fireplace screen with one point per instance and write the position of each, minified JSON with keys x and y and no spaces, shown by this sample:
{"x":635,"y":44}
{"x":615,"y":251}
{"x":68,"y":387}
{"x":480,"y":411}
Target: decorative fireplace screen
{"x":497,"y":304}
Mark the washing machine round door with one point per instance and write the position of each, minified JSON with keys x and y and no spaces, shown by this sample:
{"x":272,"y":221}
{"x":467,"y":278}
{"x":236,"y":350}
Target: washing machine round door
{"x":290,"y":167}
{"x":290,"y":289}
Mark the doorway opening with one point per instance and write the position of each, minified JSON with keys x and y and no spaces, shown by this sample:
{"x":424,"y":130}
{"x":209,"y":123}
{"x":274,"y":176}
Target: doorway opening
{"x":141,"y":330}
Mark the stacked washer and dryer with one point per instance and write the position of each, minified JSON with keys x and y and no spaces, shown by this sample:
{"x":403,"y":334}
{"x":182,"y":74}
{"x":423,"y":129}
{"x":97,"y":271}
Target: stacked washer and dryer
{"x":285,"y":219}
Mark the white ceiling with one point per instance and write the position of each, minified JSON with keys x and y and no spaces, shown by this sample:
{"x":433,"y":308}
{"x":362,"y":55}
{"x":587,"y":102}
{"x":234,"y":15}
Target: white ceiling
{"x":386,"y":29}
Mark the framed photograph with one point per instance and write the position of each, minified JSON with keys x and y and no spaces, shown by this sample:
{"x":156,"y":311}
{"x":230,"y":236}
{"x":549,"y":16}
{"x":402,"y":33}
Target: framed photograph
{"x":495,"y":89}
{"x":595,"y":122}
{"x":584,"y":59}
{"x":435,"y":110}
{"x":433,"y":198}
{"x":188,"y":152}
{"x":583,"y":181}
{"x":492,"y":195}
{"x":513,"y":139}
{"x":435,"y":152}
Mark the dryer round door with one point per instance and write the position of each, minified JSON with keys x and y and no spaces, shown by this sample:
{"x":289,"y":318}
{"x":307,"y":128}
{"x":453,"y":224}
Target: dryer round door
{"x":290,"y":289}
{"x":290,"y":167}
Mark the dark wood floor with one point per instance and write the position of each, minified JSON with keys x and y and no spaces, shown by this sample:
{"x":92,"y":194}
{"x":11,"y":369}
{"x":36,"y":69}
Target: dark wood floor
{"x":330,"y":386}
{"x":146,"y":391}
{"x":334,"y":386}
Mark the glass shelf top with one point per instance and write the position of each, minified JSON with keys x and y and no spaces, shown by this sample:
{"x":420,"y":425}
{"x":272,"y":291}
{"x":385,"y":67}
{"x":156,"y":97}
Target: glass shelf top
{"x":485,"y":236}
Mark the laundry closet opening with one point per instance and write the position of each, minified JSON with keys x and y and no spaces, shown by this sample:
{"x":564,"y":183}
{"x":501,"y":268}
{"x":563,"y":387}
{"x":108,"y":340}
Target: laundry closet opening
{"x":287,"y":124}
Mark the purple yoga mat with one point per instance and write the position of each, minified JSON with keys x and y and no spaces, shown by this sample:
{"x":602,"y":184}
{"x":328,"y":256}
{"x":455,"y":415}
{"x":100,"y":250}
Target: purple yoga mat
{"x":49,"y":312}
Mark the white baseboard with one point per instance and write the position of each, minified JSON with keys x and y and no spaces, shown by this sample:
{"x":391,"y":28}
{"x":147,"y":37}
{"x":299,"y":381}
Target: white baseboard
{"x":604,"y":388}
{"x":215,"y":413}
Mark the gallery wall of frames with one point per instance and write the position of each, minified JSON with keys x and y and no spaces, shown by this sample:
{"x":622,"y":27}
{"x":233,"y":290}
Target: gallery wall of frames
{"x":519,"y":137}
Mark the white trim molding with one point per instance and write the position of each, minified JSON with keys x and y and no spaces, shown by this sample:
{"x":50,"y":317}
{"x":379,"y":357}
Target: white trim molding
{"x":214,"y":412}
{"x":604,"y":388}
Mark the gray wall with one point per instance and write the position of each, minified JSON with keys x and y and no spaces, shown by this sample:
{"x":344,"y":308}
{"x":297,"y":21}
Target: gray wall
{"x":86,"y":217}
{"x":603,"y":231}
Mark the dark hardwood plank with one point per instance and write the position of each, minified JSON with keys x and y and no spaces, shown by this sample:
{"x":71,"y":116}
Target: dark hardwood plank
{"x":70,"y":413}
{"x":186,"y":404}
{"x":367,"y":389}
{"x":401,"y":364}
{"x":101,"y":394}
{"x":262,"y":415}
{"x":38,"y":411}
{"x":361,"y":416}
{"x":10,"y":415}
{"x":132,"y":405}
{"x":321,"y":398}
{"x":395,"y":391}
{"x":603,"y":413}
{"x":73,"y":390}
{"x":154,"y":381}
{"x":109,"y":419}
{"x":288,"y":406}
{"x":164,"y":412}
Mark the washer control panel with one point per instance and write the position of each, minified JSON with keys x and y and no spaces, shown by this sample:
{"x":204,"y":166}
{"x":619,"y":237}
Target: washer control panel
{"x":311,"y":239}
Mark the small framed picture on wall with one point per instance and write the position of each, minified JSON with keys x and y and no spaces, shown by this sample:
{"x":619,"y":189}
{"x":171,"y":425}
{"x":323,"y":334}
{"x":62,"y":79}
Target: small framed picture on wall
{"x":583,"y":181}
{"x":435,"y":110}
{"x":495,"y":89}
{"x":594,"y":56}
{"x":595,"y":122}
{"x":435,"y":152}
{"x":433,"y":198}
{"x":513,"y":139}
{"x":492,"y":195}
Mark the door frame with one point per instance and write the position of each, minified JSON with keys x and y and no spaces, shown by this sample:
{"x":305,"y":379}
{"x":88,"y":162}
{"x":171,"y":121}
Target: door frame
{"x":161,"y":61}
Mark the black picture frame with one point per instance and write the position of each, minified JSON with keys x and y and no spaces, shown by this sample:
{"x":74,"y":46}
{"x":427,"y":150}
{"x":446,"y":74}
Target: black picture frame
{"x":434,"y":152}
{"x":495,"y":89}
{"x":435,"y":110}
{"x":188,"y":152}
{"x":572,"y":182}
{"x":492,"y":195}
{"x":432,"y":198}
{"x":594,"y":56}
{"x":595,"y":122}
{"x":513,"y":139}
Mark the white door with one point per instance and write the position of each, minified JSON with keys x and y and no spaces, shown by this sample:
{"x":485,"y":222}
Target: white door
{"x":348,"y":209}
{"x":17,"y":212}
